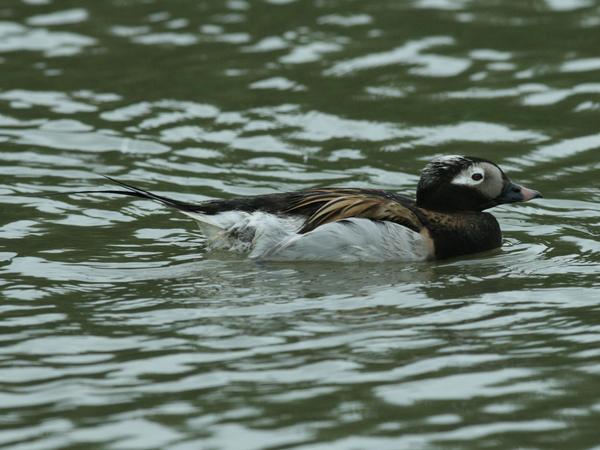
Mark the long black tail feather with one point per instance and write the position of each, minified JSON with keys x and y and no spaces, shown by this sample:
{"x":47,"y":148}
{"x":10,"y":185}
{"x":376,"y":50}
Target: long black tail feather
{"x":133,"y":191}
{"x":271,"y":203}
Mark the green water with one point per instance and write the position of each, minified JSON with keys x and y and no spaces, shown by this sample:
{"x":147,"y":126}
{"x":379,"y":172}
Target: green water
{"x":119,"y":331}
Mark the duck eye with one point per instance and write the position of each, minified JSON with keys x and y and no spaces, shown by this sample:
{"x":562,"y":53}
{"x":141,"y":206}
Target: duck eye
{"x":477,"y":177}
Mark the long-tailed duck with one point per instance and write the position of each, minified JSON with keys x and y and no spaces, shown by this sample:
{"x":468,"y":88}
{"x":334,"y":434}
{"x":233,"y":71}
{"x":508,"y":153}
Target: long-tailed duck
{"x":352,"y":224}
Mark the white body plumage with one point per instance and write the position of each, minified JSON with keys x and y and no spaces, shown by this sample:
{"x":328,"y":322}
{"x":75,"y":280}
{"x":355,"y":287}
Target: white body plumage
{"x":273,"y":237}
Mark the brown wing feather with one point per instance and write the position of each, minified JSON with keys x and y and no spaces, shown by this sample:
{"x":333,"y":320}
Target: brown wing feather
{"x":338,"y":204}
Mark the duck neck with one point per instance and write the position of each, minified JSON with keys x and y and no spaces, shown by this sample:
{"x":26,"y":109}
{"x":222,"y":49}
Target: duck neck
{"x":461,"y":233}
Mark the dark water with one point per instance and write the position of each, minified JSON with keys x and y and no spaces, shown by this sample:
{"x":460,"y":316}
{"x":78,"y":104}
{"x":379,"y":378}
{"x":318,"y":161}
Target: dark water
{"x":119,"y":331}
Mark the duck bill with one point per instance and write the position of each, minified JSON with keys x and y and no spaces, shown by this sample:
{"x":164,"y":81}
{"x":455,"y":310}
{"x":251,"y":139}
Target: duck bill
{"x":513,"y":193}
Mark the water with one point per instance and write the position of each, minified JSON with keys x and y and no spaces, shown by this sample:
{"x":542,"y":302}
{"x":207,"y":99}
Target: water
{"x":119,"y":331}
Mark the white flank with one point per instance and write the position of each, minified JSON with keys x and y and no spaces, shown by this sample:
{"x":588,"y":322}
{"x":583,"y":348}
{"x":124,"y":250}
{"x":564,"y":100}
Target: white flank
{"x":271,"y":237}
{"x":352,"y":240}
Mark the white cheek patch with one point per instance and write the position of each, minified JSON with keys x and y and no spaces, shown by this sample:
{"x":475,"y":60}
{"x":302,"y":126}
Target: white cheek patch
{"x":489,"y":185}
{"x":465,"y":177}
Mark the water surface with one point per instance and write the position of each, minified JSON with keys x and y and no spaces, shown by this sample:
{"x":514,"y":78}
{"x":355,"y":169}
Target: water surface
{"x":120,"y":331}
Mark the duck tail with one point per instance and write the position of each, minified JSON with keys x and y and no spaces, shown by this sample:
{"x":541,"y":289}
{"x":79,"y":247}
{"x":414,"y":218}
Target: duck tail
{"x":133,"y":191}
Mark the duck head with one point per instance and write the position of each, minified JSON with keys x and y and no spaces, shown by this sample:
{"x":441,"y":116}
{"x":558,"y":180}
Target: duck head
{"x":467,"y":183}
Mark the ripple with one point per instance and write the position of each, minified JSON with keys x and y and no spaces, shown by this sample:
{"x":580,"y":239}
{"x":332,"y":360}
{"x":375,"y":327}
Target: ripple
{"x":172,"y":38}
{"x":186,"y":110}
{"x":67,"y":16}
{"x":345,"y":21}
{"x":278,"y":83}
{"x":310,"y":52}
{"x":564,"y":149}
{"x":267,"y":44}
{"x":77,"y":140}
{"x":18,"y":229}
{"x":460,"y":387}
{"x":568,"y":5}
{"x":581,"y":65}
{"x":410,"y":53}
{"x":553,"y":96}
{"x":15,"y":37}
{"x":57,"y":102}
